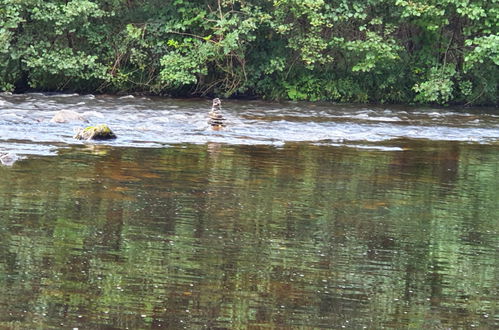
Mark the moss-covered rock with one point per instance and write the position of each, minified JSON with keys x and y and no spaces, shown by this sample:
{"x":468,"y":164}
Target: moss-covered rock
{"x":99,"y":132}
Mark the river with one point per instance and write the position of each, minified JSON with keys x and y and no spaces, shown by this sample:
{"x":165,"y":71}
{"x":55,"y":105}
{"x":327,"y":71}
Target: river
{"x":297,"y":215}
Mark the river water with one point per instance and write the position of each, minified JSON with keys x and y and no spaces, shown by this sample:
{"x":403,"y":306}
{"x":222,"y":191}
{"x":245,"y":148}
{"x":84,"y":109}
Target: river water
{"x":297,"y":215}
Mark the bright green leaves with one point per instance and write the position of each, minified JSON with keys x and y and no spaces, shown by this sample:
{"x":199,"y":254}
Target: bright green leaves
{"x":214,"y":52}
{"x":185,"y":67}
{"x":418,"y":8}
{"x":62,"y":62}
{"x":485,"y":49}
{"x":312,"y":50}
{"x":135,"y":32}
{"x":180,"y":70}
{"x":374,"y":50}
{"x":47,"y":43}
{"x":9,"y":15}
{"x":303,"y":24}
{"x":471,"y":10}
{"x":438,"y":86}
{"x":66,"y":17}
{"x":10,"y":19}
{"x":481,"y":63}
{"x":453,"y":46}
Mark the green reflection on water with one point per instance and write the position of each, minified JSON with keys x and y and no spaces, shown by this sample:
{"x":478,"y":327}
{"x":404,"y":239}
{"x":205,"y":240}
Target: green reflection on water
{"x":239,"y":236}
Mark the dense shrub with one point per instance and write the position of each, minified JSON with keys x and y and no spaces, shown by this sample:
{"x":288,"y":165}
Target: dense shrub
{"x":428,"y":51}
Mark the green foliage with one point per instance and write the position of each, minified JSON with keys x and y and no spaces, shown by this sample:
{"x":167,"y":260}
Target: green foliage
{"x":373,"y":51}
{"x":483,"y":49}
{"x":63,"y":62}
{"x":183,"y":68}
{"x":441,"y":51}
{"x":438,"y":86}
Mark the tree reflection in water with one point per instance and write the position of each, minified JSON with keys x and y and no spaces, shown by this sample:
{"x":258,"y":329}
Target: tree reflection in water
{"x":239,"y":236}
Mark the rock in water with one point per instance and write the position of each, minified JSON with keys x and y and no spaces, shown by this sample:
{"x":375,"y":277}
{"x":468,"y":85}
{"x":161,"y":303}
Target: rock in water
{"x":99,"y":132}
{"x":9,"y":159}
{"x":66,"y":116}
{"x":216,"y":120}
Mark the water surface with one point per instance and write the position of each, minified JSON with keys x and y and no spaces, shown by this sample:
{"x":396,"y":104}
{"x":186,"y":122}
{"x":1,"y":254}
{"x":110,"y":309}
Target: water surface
{"x":25,"y":124}
{"x":297,"y":216}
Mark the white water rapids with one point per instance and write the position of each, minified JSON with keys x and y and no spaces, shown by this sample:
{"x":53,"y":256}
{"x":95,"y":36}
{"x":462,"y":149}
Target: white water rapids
{"x":26,"y":129}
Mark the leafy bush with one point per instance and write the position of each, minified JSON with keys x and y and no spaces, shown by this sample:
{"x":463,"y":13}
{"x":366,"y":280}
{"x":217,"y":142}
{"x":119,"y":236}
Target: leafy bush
{"x":443,"y":51}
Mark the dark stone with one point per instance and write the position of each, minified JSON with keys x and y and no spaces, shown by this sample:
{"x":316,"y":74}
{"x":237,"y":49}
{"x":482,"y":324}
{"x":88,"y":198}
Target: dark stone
{"x":216,"y":119}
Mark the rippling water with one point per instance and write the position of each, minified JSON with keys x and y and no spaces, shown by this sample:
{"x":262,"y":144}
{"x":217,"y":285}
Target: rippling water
{"x":296,"y":216}
{"x":141,"y":122}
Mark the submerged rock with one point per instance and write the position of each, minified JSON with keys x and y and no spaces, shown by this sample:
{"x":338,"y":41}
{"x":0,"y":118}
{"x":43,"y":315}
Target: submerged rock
{"x":99,"y":132}
{"x":216,"y":119}
{"x":9,"y":159}
{"x":66,"y":116}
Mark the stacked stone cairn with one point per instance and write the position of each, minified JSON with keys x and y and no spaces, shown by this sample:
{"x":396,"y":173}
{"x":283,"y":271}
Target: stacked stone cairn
{"x":216,"y":119}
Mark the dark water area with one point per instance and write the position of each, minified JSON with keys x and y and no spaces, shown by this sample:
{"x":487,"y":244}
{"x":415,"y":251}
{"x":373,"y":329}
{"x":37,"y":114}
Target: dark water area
{"x":298,"y":216}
